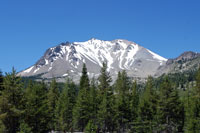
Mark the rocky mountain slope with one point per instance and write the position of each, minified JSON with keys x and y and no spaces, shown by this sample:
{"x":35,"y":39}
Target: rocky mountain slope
{"x":188,"y":61}
{"x":67,"y":59}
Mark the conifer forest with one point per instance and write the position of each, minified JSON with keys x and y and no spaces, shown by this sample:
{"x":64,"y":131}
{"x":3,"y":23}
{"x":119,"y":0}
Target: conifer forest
{"x":167,"y":104}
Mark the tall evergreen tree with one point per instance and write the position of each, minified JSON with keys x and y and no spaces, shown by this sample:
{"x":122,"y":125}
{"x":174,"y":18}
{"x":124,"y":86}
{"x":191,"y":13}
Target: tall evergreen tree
{"x":53,"y":95}
{"x":84,"y":80}
{"x":147,"y":108}
{"x":2,"y":127}
{"x":93,"y":102}
{"x":193,"y":125}
{"x":106,"y":107}
{"x":122,"y":101}
{"x":171,"y":111}
{"x":24,"y":128}
{"x":104,"y":78}
{"x":10,"y":101}
{"x":36,"y":115}
{"x":134,"y":102}
{"x":81,"y":109}
{"x":106,"y":111}
{"x":64,"y":107}
{"x":198,"y":83}
{"x":91,"y":127}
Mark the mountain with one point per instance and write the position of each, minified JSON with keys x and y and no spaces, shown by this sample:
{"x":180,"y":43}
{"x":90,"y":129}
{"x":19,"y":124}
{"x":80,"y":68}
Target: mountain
{"x":188,"y":61}
{"x":67,"y":59}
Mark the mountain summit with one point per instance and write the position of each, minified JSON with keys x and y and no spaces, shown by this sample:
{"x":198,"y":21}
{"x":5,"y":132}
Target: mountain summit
{"x":67,"y":59}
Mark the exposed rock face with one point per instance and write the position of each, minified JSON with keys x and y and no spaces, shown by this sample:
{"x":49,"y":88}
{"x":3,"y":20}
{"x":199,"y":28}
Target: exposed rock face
{"x":67,"y":59}
{"x":189,"y":55}
{"x":188,"y":61}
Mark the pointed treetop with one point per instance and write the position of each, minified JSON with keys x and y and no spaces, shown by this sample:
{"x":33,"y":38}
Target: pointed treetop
{"x":84,"y":80}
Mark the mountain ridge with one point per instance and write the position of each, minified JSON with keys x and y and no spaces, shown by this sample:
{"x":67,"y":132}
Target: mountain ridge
{"x":186,"y":62}
{"x":66,"y":59}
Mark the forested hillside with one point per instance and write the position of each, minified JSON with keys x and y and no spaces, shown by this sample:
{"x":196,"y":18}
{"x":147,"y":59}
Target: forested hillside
{"x":170,"y":103}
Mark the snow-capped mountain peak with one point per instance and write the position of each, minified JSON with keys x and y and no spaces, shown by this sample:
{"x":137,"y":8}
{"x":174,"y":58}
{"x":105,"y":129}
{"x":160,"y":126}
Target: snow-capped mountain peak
{"x":67,"y":59}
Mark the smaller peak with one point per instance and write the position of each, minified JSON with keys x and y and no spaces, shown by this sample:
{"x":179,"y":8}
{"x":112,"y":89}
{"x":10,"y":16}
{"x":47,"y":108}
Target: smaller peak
{"x":188,"y":52}
{"x":93,"y":39}
{"x":64,"y":43}
{"x":120,"y":40}
{"x":124,"y":41}
{"x":188,"y":55}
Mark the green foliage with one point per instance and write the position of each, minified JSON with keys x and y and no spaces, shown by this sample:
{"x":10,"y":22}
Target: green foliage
{"x":134,"y":102}
{"x":10,"y":101}
{"x":198,"y":84}
{"x":1,"y":81}
{"x":122,"y":101}
{"x":91,"y":127}
{"x":193,"y":125}
{"x":166,"y":104}
{"x":64,"y":107}
{"x":36,"y":113}
{"x":179,"y":79}
{"x":84,"y":80}
{"x":171,"y":111}
{"x":147,"y":109}
{"x":104,"y":78}
{"x":24,"y":128}
{"x":93,"y":101}
{"x":194,"y":117}
{"x":106,"y":112}
{"x":53,"y":95}
{"x":2,"y":127}
{"x":81,"y":109}
{"x":106,"y":107}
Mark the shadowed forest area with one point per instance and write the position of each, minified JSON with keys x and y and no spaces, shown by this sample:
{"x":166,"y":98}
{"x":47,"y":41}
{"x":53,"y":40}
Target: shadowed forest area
{"x":170,"y":103}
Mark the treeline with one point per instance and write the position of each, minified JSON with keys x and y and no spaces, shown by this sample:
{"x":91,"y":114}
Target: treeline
{"x":97,"y":106}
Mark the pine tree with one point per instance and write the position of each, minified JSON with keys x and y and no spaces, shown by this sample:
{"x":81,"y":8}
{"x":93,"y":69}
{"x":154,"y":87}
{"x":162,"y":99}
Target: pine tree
{"x":122,"y":101}
{"x":106,"y":107}
{"x":134,"y":102}
{"x":194,"y":118}
{"x":24,"y":128}
{"x":81,"y":109}
{"x":10,"y":101}
{"x":147,"y":108}
{"x":84,"y":80}
{"x":91,"y":127}
{"x":198,"y":83}
{"x":106,"y":112}
{"x":2,"y":127}
{"x":53,"y":95}
{"x":193,"y":125}
{"x":118,"y":83}
{"x":104,"y":79}
{"x":64,"y":107}
{"x":93,"y":101}
{"x":171,"y":111}
{"x":36,"y":115}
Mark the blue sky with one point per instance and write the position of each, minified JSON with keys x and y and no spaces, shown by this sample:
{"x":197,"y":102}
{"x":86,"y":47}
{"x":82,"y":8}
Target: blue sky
{"x":28,"y":28}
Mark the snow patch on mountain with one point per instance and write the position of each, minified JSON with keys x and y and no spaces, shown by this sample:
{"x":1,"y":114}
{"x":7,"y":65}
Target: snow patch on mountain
{"x":29,"y":69}
{"x":36,"y":70}
{"x":67,"y":59}
{"x":155,"y":56}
